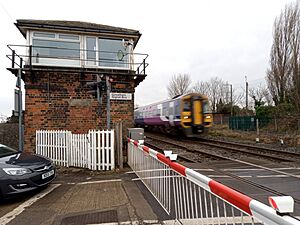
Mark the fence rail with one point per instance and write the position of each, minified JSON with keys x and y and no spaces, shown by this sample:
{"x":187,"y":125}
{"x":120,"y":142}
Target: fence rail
{"x":188,"y":195}
{"x":94,"y":150}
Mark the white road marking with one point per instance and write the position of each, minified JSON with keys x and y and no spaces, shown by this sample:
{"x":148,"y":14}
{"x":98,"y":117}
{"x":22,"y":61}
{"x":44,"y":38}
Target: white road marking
{"x":271,"y":176}
{"x":203,"y":169}
{"x":99,"y":181}
{"x":223,"y":176}
{"x":288,"y":168}
{"x":253,"y":176}
{"x":260,"y":169}
{"x":218,"y":176}
{"x":256,"y":169}
{"x":17,"y":211}
{"x":266,"y":168}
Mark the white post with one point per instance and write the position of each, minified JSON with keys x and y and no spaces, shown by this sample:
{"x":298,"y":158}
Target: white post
{"x":257,"y":130}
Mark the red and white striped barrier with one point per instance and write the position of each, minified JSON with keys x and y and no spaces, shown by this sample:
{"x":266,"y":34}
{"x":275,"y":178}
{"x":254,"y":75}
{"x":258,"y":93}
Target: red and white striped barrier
{"x":251,"y":207}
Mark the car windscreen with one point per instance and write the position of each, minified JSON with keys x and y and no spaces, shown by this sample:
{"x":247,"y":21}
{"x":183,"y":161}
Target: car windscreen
{"x":5,"y":151}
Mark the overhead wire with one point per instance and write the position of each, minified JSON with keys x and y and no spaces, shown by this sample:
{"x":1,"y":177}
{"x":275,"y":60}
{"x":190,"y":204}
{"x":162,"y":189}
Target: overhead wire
{"x":7,"y":13}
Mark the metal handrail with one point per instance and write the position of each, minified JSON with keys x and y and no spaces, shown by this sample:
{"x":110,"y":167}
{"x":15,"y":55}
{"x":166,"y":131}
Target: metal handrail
{"x":81,"y":49}
{"x":77,"y":58}
{"x":138,"y":67}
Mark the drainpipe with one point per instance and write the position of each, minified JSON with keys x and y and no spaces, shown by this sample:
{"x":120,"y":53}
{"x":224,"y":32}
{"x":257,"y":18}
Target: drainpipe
{"x":108,"y":102}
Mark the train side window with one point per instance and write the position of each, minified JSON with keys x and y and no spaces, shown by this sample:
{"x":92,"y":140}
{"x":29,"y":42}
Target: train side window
{"x":171,"y":108}
{"x":159,"y":110}
{"x":206,"y":107}
{"x":165,"y":109}
{"x":151,"y":112}
{"x":171,"y":111}
{"x":186,"y":105}
{"x":177,"y":108}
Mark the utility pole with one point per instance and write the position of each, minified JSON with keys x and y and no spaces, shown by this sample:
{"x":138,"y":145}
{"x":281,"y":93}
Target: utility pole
{"x":18,"y":107}
{"x":246,"y":94}
{"x":231,"y":102}
{"x":227,"y":93}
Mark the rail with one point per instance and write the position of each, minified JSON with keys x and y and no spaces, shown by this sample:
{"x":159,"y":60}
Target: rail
{"x":61,"y":56}
{"x":260,"y":150}
{"x":231,"y":148}
{"x":187,"y":194}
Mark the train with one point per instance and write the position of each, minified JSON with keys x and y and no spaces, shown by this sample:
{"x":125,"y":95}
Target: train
{"x":187,"y":114}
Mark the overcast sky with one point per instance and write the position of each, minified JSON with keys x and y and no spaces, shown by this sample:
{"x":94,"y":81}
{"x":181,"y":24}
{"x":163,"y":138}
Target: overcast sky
{"x":229,"y":39}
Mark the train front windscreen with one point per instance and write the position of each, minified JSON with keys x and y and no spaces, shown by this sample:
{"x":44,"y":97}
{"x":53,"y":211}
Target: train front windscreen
{"x":208,"y":119}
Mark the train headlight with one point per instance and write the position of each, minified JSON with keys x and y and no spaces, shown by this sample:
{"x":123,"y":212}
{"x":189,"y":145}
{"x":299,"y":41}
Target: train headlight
{"x":185,"y":117}
{"x":207,"y":117}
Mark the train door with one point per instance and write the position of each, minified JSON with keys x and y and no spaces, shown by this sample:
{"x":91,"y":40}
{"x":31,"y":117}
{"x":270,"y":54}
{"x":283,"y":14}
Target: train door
{"x":171,"y":113}
{"x":159,"y":110}
{"x":186,"y":112}
{"x":197,"y":111}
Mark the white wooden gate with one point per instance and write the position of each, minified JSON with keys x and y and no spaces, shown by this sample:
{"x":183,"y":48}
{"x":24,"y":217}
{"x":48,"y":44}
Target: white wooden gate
{"x":94,"y":150}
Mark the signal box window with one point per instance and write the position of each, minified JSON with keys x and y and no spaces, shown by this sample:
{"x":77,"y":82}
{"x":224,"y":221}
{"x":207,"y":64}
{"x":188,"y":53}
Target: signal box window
{"x":51,"y":48}
{"x":113,"y":53}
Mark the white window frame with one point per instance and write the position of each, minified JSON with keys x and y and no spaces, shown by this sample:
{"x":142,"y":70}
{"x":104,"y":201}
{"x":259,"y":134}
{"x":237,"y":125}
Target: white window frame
{"x":82,"y":61}
{"x":85,"y":60}
{"x":58,"y":62}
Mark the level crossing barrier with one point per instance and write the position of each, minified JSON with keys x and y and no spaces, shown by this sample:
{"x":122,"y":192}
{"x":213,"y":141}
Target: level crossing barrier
{"x":190,"y":197}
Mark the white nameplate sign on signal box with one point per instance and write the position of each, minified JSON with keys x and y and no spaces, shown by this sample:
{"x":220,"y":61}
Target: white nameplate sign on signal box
{"x":121,"y":96}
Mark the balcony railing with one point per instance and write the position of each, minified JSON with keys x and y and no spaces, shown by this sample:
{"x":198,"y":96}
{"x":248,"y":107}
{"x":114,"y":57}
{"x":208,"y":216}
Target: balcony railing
{"x":24,"y":55}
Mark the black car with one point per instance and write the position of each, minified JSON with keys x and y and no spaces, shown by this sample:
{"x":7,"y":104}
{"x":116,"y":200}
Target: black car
{"x":22,"y":172}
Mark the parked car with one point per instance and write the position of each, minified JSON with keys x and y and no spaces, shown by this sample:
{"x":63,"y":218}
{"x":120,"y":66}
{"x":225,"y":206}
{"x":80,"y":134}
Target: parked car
{"x":22,"y":172}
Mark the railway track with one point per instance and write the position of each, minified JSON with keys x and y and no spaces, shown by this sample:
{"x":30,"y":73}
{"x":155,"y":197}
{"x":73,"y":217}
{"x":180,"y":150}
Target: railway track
{"x":185,"y":153}
{"x":228,"y":150}
{"x":255,"y":150}
{"x":195,"y":155}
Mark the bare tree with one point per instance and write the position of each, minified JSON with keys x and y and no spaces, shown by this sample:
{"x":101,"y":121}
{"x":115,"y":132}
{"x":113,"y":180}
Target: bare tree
{"x":179,"y":85}
{"x":215,"y":86}
{"x":260,"y":95}
{"x":283,"y":75}
{"x":295,"y":53}
{"x":237,"y":97}
{"x":215,"y":89}
{"x":201,"y":87}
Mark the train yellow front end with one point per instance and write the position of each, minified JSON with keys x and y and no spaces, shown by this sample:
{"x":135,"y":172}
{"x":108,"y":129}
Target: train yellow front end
{"x":195,"y":114}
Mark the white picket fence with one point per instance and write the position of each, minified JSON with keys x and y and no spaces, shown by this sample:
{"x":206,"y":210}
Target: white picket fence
{"x":94,"y":150}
